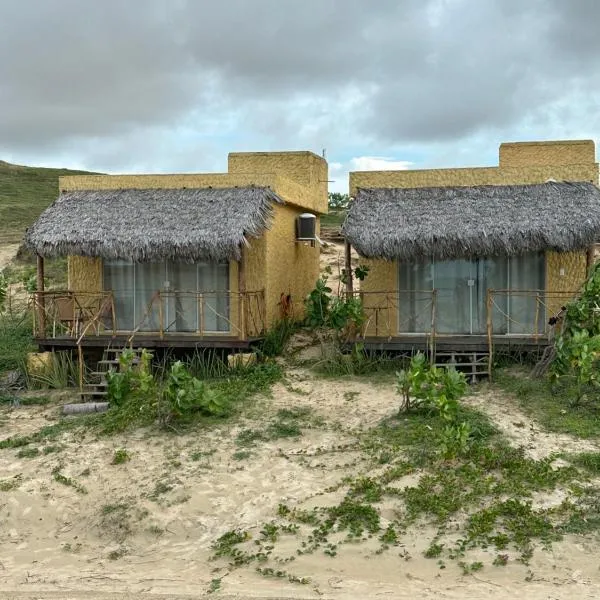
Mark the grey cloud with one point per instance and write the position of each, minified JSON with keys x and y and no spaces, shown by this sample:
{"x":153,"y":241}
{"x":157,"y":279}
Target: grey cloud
{"x":82,"y":74}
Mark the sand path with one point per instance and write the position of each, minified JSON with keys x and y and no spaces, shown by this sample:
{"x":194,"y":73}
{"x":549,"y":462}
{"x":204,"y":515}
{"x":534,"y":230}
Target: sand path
{"x":522,"y":430}
{"x":56,"y":542}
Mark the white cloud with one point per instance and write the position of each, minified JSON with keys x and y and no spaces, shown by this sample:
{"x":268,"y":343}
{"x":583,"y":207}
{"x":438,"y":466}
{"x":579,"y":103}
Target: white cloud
{"x":378,"y":163}
{"x":338,"y":171}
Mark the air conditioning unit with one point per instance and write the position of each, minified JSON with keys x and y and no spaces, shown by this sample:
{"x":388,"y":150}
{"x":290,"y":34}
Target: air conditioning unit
{"x":306,"y":228}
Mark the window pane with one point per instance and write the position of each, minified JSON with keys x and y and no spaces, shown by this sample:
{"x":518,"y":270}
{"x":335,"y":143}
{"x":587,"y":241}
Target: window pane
{"x":527,"y":315}
{"x":182,"y":312}
{"x":456,"y":284}
{"x":149,"y":279}
{"x":414,"y":303}
{"x":213,"y":282}
{"x":119,"y":278}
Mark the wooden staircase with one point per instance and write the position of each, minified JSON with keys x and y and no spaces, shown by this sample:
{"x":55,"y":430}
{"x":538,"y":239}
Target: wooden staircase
{"x":95,"y":390}
{"x":473,"y":363}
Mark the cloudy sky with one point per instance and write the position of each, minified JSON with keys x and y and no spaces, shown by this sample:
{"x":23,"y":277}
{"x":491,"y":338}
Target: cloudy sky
{"x":173,"y":85}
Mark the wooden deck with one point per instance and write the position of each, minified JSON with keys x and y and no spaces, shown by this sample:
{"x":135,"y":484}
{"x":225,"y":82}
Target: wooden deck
{"x":457,"y":343}
{"x":146,"y":340}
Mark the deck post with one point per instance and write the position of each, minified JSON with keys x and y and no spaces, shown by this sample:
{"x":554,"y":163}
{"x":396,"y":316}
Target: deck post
{"x":489,"y":331}
{"x":161,"y":328}
{"x":536,"y":323}
{"x":201,"y":305}
{"x":432,"y":332}
{"x":242,"y":294}
{"x":114,"y":317}
{"x":590,"y":259}
{"x":348,"y":267}
{"x":41,"y":301}
{"x":80,"y":361}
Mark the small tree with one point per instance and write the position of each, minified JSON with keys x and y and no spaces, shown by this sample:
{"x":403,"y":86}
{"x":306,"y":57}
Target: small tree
{"x":338,"y":201}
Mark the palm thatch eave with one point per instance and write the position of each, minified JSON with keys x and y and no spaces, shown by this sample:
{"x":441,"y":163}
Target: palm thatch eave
{"x":446,"y":223}
{"x":150,"y":225}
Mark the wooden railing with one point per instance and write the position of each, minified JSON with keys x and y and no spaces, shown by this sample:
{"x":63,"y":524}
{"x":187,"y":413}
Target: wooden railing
{"x":517,"y":313}
{"x":237,"y":314}
{"x":64,"y":313}
{"x":383,"y":316}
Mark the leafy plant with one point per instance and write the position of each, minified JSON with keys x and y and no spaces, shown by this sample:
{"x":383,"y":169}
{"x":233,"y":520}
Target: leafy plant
{"x":120,"y":457}
{"x":577,"y":363}
{"x":344,"y":315}
{"x":317,"y":304}
{"x":424,"y":386}
{"x":338,"y":200}
{"x":359,"y":273}
{"x":3,"y":291}
{"x":183,"y":394}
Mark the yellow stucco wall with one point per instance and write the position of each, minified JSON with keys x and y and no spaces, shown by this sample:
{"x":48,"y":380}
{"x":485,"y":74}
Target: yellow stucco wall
{"x":291,"y":267}
{"x":565,"y":274}
{"x":381,"y":309}
{"x":471,"y":176}
{"x":304,"y":168}
{"x":555,"y":153}
{"x":520,"y":163}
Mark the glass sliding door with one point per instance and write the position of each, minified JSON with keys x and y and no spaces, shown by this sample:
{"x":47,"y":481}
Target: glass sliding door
{"x":119,"y":276}
{"x":213,"y":282}
{"x":197,"y":298}
{"x":182,"y":313}
{"x":149,"y":279}
{"x":492,"y":274}
{"x":414,"y":300}
{"x":526,"y":311}
{"x":454,"y":281}
{"x":462,"y":291}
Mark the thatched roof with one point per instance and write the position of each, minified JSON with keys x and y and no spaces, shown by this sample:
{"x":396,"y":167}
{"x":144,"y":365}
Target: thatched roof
{"x":459,"y":222}
{"x":153,"y":224}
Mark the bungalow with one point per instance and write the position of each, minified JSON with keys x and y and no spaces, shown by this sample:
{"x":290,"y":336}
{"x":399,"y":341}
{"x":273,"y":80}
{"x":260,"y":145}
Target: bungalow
{"x":463,"y":258}
{"x":203,"y":260}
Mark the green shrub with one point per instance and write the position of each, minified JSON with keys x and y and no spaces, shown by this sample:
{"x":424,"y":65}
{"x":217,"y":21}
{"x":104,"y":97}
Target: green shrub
{"x":426,"y":387}
{"x":277,"y":337}
{"x":16,"y":341}
{"x":138,"y":397}
{"x":345,"y":315}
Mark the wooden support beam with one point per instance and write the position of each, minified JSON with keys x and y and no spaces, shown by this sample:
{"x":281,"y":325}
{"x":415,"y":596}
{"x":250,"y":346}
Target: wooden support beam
{"x":242,"y":295}
{"x":590,"y":259}
{"x":41,"y":301}
{"x":348,"y":267}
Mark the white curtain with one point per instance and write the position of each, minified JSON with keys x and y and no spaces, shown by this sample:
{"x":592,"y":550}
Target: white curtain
{"x":527,"y":272}
{"x":414,"y":301}
{"x":135,"y":284}
{"x":119,"y":277}
{"x":462,"y":286}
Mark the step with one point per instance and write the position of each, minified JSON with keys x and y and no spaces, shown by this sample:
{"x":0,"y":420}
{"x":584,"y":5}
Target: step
{"x":121,"y":350}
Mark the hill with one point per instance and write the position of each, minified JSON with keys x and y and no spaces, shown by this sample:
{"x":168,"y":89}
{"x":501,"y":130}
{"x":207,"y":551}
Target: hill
{"x":24,"y":193}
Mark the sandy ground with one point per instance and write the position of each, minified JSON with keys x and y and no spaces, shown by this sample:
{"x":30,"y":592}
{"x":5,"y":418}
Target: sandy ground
{"x":56,"y":542}
{"x":522,"y":430}
{"x":333,"y":256}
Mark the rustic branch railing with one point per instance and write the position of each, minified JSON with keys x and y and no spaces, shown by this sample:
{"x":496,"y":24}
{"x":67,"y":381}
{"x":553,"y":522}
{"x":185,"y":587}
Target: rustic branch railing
{"x":383,"y":318}
{"x":520,"y":313}
{"x":64,"y":313}
{"x":237,"y":314}
{"x":504,"y":319}
{"x":81,"y":314}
